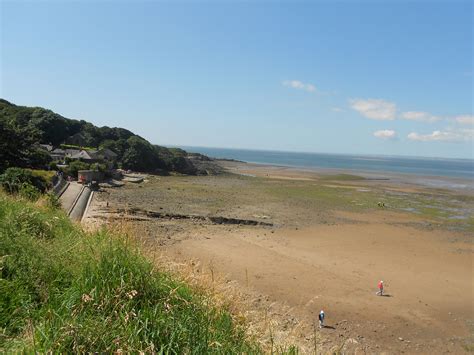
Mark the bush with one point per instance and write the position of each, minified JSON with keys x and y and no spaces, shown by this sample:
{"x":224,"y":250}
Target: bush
{"x":98,"y":167}
{"x":52,"y":200}
{"x":29,"y":192}
{"x":46,"y":175}
{"x":15,"y":179}
{"x":53,"y":165}
{"x":73,"y":146}
{"x":74,"y":166}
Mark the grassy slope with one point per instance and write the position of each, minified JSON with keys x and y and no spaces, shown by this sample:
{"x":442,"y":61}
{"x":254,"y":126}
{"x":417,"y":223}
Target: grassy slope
{"x":65,"y":290}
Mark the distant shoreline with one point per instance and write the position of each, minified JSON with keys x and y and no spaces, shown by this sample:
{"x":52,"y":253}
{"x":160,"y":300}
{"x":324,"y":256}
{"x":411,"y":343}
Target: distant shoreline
{"x":430,"y":181}
{"x":430,"y":168}
{"x":382,"y":156}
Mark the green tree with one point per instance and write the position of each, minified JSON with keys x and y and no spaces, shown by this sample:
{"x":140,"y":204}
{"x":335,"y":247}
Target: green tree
{"x":118,"y":146}
{"x":22,"y":129}
{"x":52,"y":127}
{"x":74,"y":166}
{"x":141,"y":156}
{"x":17,"y":146}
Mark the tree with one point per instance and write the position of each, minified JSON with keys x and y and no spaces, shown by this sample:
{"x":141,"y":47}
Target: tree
{"x":22,"y":129}
{"x":117,"y":146}
{"x":52,"y":127}
{"x":141,"y":155}
{"x":18,"y":146}
{"x":74,"y":166}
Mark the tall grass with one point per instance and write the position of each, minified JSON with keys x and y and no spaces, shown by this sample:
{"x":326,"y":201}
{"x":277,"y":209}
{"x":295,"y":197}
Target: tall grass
{"x":66,"y":290}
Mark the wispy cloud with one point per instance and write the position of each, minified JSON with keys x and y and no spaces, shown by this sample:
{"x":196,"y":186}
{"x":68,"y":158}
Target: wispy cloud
{"x":376,"y":109}
{"x":296,"y":84}
{"x":465,"y":119}
{"x":419,"y":116}
{"x":337,"y":109}
{"x":386,"y":134}
{"x":449,"y":135}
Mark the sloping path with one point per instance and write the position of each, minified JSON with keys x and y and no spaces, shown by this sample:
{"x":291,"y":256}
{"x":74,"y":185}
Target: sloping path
{"x":68,"y":197}
{"x":80,"y":206}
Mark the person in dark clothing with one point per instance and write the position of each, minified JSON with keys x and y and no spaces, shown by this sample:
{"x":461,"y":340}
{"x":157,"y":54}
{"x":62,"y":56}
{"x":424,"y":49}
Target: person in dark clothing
{"x":321,"y":319}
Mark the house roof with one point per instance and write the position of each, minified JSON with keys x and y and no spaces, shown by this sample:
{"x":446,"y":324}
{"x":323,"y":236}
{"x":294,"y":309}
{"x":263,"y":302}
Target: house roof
{"x":47,"y":147}
{"x":87,"y":155}
{"x":71,"y":152}
{"x":81,"y":155}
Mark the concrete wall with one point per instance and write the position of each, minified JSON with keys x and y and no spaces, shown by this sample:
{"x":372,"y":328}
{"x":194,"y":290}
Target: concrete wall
{"x":60,"y":186}
{"x":86,"y":176}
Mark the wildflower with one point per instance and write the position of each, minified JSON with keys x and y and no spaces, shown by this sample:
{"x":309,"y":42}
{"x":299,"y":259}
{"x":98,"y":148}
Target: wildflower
{"x":86,"y":298}
{"x":132,"y":294}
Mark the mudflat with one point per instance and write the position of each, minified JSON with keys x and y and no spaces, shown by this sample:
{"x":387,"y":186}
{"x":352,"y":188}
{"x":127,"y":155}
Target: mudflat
{"x":302,"y":241}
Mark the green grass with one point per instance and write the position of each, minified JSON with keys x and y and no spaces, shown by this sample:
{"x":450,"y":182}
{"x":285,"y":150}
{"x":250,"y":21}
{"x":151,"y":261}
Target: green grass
{"x":342,"y":177}
{"x":64,"y":290}
{"x":316,"y":195}
{"x":73,"y":146}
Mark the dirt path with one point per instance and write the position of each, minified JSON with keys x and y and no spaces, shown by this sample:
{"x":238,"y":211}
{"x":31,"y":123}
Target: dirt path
{"x":336,"y":268}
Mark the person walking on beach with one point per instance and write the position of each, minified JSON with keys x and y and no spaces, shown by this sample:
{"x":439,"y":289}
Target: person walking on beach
{"x":380,"y":286}
{"x":321,"y":319}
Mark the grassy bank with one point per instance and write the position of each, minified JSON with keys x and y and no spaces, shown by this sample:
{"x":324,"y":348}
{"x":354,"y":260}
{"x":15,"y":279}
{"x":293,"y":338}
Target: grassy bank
{"x":65,"y":290}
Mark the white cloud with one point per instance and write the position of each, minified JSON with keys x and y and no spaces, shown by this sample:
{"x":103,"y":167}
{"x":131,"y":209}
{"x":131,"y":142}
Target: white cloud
{"x":296,"y":84}
{"x":464,"y":119}
{"x":449,"y":135}
{"x":376,"y":109}
{"x":419,"y":116}
{"x":386,"y":134}
{"x":337,"y":109}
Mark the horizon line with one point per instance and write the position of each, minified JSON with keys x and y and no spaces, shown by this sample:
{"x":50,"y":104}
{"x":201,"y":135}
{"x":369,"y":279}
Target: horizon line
{"x":323,"y":153}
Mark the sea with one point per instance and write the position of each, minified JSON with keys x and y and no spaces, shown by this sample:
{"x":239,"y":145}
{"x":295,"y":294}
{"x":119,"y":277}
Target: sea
{"x":419,"y":166}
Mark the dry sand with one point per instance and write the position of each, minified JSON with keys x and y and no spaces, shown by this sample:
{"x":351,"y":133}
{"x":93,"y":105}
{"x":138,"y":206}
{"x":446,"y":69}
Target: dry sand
{"x":335,"y":266}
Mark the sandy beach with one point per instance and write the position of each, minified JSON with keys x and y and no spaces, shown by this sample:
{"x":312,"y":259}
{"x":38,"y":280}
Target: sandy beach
{"x":300,"y":241}
{"x":207,"y":177}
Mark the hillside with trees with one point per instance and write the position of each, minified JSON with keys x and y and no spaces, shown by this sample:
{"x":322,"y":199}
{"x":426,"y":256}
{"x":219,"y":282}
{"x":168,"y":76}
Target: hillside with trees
{"x":23,"y":129}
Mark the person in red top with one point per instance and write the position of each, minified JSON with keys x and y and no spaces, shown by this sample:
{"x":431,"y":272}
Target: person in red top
{"x":380,"y":286}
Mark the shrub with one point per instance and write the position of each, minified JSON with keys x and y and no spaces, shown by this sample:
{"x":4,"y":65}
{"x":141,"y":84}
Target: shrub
{"x":73,"y":146}
{"x":46,"y":175}
{"x":74,"y":166}
{"x":15,"y":179}
{"x":29,"y":192}
{"x":98,"y":167}
{"x":52,"y":200}
{"x":53,"y":165}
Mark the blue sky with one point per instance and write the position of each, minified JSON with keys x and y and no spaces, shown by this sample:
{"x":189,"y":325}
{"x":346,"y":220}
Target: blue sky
{"x":338,"y":77}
